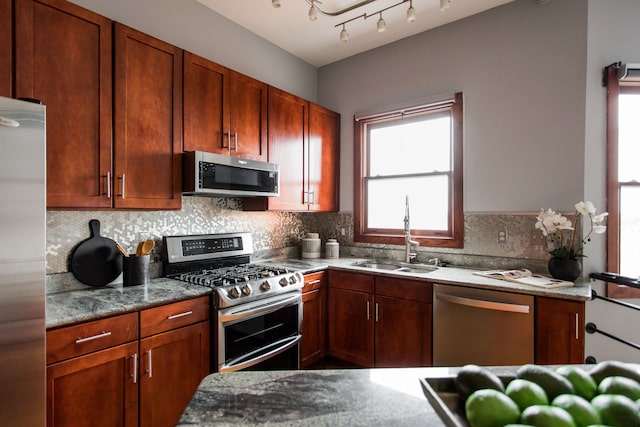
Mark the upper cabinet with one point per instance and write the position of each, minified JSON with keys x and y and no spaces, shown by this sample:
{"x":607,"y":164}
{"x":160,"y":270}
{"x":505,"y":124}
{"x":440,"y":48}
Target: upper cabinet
{"x":304,"y":141}
{"x":324,"y":159}
{"x":6,"y":47}
{"x":148,"y":122}
{"x":225,"y":112}
{"x":63,"y":57}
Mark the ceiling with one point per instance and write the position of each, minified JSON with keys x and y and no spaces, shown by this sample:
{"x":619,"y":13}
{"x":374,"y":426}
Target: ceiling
{"x":318,"y":42}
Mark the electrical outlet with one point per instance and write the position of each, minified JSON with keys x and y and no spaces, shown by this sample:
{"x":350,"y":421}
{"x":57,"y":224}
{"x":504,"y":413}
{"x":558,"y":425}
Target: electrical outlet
{"x":503,"y":236}
{"x":345,"y":231}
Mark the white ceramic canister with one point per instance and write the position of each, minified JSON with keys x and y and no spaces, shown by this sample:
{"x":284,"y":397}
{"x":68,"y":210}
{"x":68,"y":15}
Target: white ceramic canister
{"x":311,"y":246}
{"x":332,"y":249}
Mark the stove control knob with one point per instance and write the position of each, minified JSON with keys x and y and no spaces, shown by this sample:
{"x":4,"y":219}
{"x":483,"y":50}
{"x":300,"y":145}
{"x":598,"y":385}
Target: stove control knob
{"x":283,"y":282}
{"x":293,"y":280}
{"x":246,"y":289}
{"x":266,"y":286}
{"x":234,"y":292}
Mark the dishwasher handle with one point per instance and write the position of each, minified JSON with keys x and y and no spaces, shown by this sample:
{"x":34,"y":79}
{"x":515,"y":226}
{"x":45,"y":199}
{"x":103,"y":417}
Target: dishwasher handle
{"x":483,"y":304}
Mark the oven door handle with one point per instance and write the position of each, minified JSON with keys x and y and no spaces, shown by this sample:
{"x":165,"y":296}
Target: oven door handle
{"x":240,"y":312}
{"x":242,"y":362}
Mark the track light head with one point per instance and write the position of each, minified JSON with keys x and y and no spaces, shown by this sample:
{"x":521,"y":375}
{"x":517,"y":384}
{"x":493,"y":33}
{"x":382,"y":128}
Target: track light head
{"x":344,"y":36}
{"x":275,"y":3}
{"x":444,"y":4}
{"x":313,"y":13}
{"x":411,"y":12}
{"x":381,"y":25}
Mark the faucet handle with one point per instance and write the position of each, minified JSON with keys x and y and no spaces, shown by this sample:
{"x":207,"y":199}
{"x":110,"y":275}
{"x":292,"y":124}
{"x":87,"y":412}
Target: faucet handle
{"x":434,"y":261}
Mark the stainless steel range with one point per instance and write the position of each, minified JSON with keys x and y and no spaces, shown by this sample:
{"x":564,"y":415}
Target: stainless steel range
{"x":257,"y":307}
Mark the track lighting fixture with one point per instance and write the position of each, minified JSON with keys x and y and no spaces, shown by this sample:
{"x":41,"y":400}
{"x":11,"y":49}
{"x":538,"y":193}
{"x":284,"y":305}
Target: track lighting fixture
{"x":344,"y":36}
{"x":313,"y":12}
{"x":411,"y":12}
{"x":381,"y":25}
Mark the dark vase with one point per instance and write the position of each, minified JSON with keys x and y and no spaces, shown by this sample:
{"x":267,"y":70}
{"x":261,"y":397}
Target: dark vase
{"x":564,"y":269}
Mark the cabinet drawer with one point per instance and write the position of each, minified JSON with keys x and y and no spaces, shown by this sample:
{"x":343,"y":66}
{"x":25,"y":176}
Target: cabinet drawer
{"x":351,"y":281}
{"x":313,"y":281}
{"x":172,"y":316}
{"x":413,"y":290}
{"x":72,"y":341}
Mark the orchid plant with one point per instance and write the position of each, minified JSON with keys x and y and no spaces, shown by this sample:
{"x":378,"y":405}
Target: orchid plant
{"x":561,"y":232}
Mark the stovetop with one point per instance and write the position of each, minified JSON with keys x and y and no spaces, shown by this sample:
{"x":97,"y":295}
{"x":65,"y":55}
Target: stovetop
{"x":222,"y":262}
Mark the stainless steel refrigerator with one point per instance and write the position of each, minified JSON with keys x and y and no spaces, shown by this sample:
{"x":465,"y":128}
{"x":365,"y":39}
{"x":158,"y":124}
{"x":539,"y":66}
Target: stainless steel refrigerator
{"x":22,"y":263}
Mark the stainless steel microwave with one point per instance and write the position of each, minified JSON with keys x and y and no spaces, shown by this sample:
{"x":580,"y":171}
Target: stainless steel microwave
{"x":209,"y":174}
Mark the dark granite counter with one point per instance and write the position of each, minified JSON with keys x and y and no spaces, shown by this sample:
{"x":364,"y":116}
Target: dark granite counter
{"x":444,"y":275}
{"x":66,"y":308}
{"x":353,"y":397}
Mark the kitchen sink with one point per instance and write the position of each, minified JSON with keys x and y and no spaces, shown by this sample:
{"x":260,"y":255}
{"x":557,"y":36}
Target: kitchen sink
{"x":401,"y":267}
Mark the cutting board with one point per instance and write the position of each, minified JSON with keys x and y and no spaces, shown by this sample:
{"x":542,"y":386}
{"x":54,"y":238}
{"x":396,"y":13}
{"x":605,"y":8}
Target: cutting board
{"x":96,"y":261}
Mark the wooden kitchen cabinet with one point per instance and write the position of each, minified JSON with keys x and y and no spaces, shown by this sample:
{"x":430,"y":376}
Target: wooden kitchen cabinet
{"x":174,"y":358}
{"x":148,"y":122}
{"x":559,"y":331}
{"x":92,"y":373}
{"x":379,"y":321}
{"x":314,"y":319}
{"x":6,"y":48}
{"x":225,"y":112}
{"x":303,"y":138}
{"x":63,"y":57}
{"x":324,"y":159}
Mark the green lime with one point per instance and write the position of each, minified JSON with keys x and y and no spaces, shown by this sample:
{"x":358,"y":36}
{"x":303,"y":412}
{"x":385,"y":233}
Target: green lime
{"x":526,"y":393}
{"x":473,"y":377}
{"x":582,"y":382}
{"x":553,"y":383}
{"x":546,"y":416}
{"x":491,"y":408}
{"x":620,"y":385}
{"x":581,"y":411}
{"x":616,"y":410}
{"x":610,"y":368}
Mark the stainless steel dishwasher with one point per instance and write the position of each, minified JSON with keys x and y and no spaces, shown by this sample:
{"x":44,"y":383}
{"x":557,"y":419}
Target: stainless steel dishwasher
{"x":482,"y":327}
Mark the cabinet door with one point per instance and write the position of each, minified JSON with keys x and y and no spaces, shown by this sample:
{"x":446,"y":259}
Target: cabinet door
{"x":6,"y":48}
{"x":63,"y":58}
{"x":205,"y":93}
{"x":148,"y":122}
{"x":314,"y":326}
{"x":172,"y":364}
{"x":248,"y":117}
{"x":403,"y":333}
{"x":98,"y":389}
{"x":351,"y":326}
{"x":559,"y":331}
{"x":324,"y":159}
{"x":288,"y":116}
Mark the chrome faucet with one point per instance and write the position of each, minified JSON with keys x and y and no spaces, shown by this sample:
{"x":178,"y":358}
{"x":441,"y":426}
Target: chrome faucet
{"x":409,"y":256}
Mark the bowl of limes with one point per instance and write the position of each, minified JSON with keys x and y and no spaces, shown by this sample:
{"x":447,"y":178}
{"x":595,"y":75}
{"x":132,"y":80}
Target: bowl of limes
{"x":607,"y":394}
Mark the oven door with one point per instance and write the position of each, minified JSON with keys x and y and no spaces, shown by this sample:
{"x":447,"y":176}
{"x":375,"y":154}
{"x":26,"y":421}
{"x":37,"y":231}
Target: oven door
{"x":255,"y":332}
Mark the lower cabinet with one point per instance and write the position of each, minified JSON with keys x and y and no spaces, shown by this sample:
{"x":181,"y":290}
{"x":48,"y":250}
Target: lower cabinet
{"x":379,"y":321}
{"x":313,"y":346}
{"x":559,"y":331}
{"x":128,"y":370}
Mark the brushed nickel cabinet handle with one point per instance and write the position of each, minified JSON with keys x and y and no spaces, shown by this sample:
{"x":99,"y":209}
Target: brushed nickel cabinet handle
{"x":149,"y":363}
{"x":377,"y":312}
{"x":94,"y":337}
{"x":134,"y":356}
{"x":313,"y":282}
{"x":108,"y":184}
{"x":175,"y":316}
{"x":577,"y":323}
{"x":368,"y":310}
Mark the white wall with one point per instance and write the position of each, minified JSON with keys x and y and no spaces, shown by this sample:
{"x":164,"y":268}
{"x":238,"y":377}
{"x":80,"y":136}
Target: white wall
{"x":521,"y":68}
{"x":196,"y":28}
{"x":613,"y":36}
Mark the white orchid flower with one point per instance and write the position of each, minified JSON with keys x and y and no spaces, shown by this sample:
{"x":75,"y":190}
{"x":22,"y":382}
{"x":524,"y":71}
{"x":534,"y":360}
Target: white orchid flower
{"x":599,"y":218}
{"x":585,"y":208}
{"x":599,"y":229}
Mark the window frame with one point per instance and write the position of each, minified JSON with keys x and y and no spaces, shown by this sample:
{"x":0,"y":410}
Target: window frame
{"x":451,"y":238}
{"x":614,"y":89}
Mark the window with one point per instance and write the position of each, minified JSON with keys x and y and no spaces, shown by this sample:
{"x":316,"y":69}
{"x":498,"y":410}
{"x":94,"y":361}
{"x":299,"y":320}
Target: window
{"x":623,"y":180}
{"x":413,"y":153}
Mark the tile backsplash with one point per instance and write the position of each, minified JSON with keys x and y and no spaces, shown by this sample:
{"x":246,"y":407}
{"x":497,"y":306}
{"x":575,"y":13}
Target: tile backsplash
{"x":279,"y":234}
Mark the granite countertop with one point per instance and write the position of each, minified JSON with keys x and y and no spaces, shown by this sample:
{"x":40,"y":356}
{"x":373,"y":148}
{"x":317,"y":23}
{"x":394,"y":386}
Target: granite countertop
{"x":354,"y":397}
{"x":445,"y":275}
{"x":66,"y":308}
